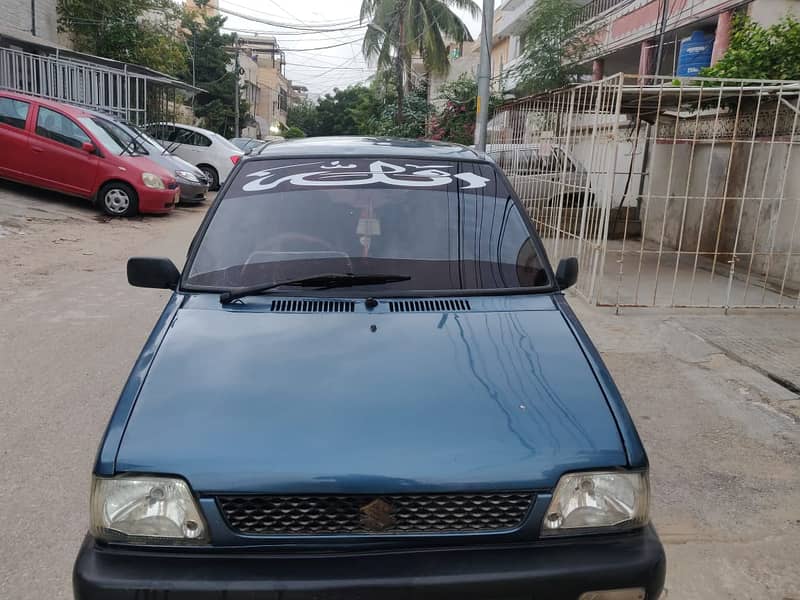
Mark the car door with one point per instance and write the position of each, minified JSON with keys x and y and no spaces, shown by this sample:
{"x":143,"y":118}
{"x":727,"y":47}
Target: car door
{"x":14,"y":138}
{"x":58,"y":159}
{"x":178,"y":142}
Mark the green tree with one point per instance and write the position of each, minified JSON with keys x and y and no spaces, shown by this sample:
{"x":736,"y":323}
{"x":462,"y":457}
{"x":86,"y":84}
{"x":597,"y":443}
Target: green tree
{"x":399,"y":30}
{"x":341,"y":113}
{"x":758,"y":52}
{"x":143,"y":32}
{"x":554,"y":47}
{"x":456,"y":120}
{"x":413,"y":124}
{"x":304,"y":116}
{"x":212,"y":60}
{"x":294,"y":132}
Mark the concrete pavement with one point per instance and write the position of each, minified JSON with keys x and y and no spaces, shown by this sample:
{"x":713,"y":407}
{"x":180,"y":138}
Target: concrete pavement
{"x":723,"y":438}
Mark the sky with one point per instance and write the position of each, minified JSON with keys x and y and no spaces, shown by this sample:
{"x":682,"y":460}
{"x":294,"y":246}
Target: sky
{"x":321,"y":70}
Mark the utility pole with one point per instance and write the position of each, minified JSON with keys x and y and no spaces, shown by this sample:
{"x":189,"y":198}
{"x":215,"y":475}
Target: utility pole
{"x":33,"y":18}
{"x":236,"y":86}
{"x":484,"y":76}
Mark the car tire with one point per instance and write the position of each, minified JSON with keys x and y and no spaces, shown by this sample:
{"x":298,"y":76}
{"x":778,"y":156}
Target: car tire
{"x":212,"y":176}
{"x":118,"y":199}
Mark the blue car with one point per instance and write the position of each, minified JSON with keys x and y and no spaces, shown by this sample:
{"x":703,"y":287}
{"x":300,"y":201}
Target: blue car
{"x":367,"y":384}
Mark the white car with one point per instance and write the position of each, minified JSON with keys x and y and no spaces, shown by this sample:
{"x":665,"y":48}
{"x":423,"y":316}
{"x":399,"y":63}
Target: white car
{"x":208,"y":151}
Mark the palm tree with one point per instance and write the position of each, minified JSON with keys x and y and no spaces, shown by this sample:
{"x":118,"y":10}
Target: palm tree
{"x":399,"y":30}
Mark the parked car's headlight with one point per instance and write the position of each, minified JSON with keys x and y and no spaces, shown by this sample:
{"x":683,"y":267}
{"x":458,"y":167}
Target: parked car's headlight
{"x":153,"y":181}
{"x":597,"y":500}
{"x":145,"y":509}
{"x":188,"y":176}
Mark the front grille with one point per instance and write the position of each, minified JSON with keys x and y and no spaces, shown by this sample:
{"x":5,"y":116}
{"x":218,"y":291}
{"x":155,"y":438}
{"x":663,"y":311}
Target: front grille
{"x":430,"y":513}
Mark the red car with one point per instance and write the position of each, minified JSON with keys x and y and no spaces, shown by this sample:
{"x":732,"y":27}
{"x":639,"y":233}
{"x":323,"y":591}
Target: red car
{"x":61,"y":147}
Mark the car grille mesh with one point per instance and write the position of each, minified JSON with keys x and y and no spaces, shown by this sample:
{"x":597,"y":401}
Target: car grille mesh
{"x":433,"y":513}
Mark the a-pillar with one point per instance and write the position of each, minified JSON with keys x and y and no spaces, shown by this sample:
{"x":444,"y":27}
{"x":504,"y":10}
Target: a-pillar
{"x":722,"y":39}
{"x":598,"y":69}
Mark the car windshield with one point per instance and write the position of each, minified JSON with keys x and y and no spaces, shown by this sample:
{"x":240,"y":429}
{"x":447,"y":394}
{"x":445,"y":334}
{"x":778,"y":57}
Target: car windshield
{"x":113,"y":137}
{"x":446,"y":225}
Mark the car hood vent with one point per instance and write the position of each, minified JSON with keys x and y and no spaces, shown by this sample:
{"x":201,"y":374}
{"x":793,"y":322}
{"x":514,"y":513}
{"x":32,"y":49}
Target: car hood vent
{"x":312,"y":306}
{"x":429,"y":305}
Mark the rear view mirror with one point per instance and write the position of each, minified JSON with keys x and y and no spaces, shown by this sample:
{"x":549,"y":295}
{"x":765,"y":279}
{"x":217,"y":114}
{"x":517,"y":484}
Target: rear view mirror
{"x":88,"y":147}
{"x":159,"y":273}
{"x":567,"y":272}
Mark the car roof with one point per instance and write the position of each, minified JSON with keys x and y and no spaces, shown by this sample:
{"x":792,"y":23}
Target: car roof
{"x":189,"y":127}
{"x":367,"y":146}
{"x":75,"y":111}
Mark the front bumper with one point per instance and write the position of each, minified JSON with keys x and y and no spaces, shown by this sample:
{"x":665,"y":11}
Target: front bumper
{"x":544,"y":571}
{"x":192,"y":191}
{"x":157,"y":201}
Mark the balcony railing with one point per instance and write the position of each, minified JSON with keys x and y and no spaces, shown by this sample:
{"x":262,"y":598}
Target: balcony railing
{"x":594,"y":9}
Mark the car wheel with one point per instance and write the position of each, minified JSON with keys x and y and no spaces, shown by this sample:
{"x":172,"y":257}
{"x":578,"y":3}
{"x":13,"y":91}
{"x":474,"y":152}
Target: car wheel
{"x":118,"y":199}
{"x":212,"y":176}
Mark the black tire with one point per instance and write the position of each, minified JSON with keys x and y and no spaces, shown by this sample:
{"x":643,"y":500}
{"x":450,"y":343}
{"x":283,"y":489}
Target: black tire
{"x":118,"y":199}
{"x":212,"y":175}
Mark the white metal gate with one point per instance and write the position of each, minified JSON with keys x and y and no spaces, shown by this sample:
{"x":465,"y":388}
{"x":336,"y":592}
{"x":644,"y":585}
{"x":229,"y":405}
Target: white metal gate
{"x":134,"y":97}
{"x":671,"y":192}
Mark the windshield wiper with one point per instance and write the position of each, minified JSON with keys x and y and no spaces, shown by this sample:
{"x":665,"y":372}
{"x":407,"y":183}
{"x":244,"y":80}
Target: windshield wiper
{"x":325,"y":280}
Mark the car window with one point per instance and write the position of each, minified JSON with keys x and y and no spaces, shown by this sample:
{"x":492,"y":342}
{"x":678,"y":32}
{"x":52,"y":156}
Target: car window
{"x":448,"y":225}
{"x":162,"y":132}
{"x":198,"y":139}
{"x":113,"y":137}
{"x":14,"y":112}
{"x":60,"y":128}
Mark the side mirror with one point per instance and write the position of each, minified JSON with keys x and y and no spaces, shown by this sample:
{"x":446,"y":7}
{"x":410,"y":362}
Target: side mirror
{"x":159,"y":273}
{"x":89,"y":147}
{"x":567,"y":272}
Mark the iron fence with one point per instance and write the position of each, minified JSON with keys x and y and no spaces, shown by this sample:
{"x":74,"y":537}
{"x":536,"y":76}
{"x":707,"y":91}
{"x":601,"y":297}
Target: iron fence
{"x":134,"y":97}
{"x":671,"y":192}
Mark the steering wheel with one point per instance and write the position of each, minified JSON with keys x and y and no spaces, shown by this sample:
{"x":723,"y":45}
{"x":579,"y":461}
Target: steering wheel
{"x":280,"y":241}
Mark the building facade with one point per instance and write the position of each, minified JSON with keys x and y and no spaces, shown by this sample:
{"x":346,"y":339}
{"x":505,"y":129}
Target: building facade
{"x":265,"y":77}
{"x":645,"y":37}
{"x":37,"y":18}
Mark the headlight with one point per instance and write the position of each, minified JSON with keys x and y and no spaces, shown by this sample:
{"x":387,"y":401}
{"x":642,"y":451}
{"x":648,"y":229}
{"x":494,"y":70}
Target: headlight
{"x":586,"y":501}
{"x":159,"y":510}
{"x":188,"y":176}
{"x":153,"y":181}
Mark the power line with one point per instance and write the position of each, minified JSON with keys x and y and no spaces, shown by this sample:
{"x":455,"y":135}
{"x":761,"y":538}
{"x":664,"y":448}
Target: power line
{"x":323,"y":67}
{"x":285,"y":25}
{"x":284,"y":33}
{"x":305,"y":22}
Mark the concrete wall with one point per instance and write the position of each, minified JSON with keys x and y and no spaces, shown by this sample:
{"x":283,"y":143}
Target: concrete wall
{"x":599,"y":161}
{"x":763,"y":206}
{"x":17,"y":18}
{"x":769,"y":12}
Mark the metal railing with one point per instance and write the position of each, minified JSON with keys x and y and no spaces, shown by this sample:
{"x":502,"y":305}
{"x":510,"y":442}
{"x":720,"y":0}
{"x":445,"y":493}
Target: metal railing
{"x":677,"y":193}
{"x":131,"y":96}
{"x":594,"y":9}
